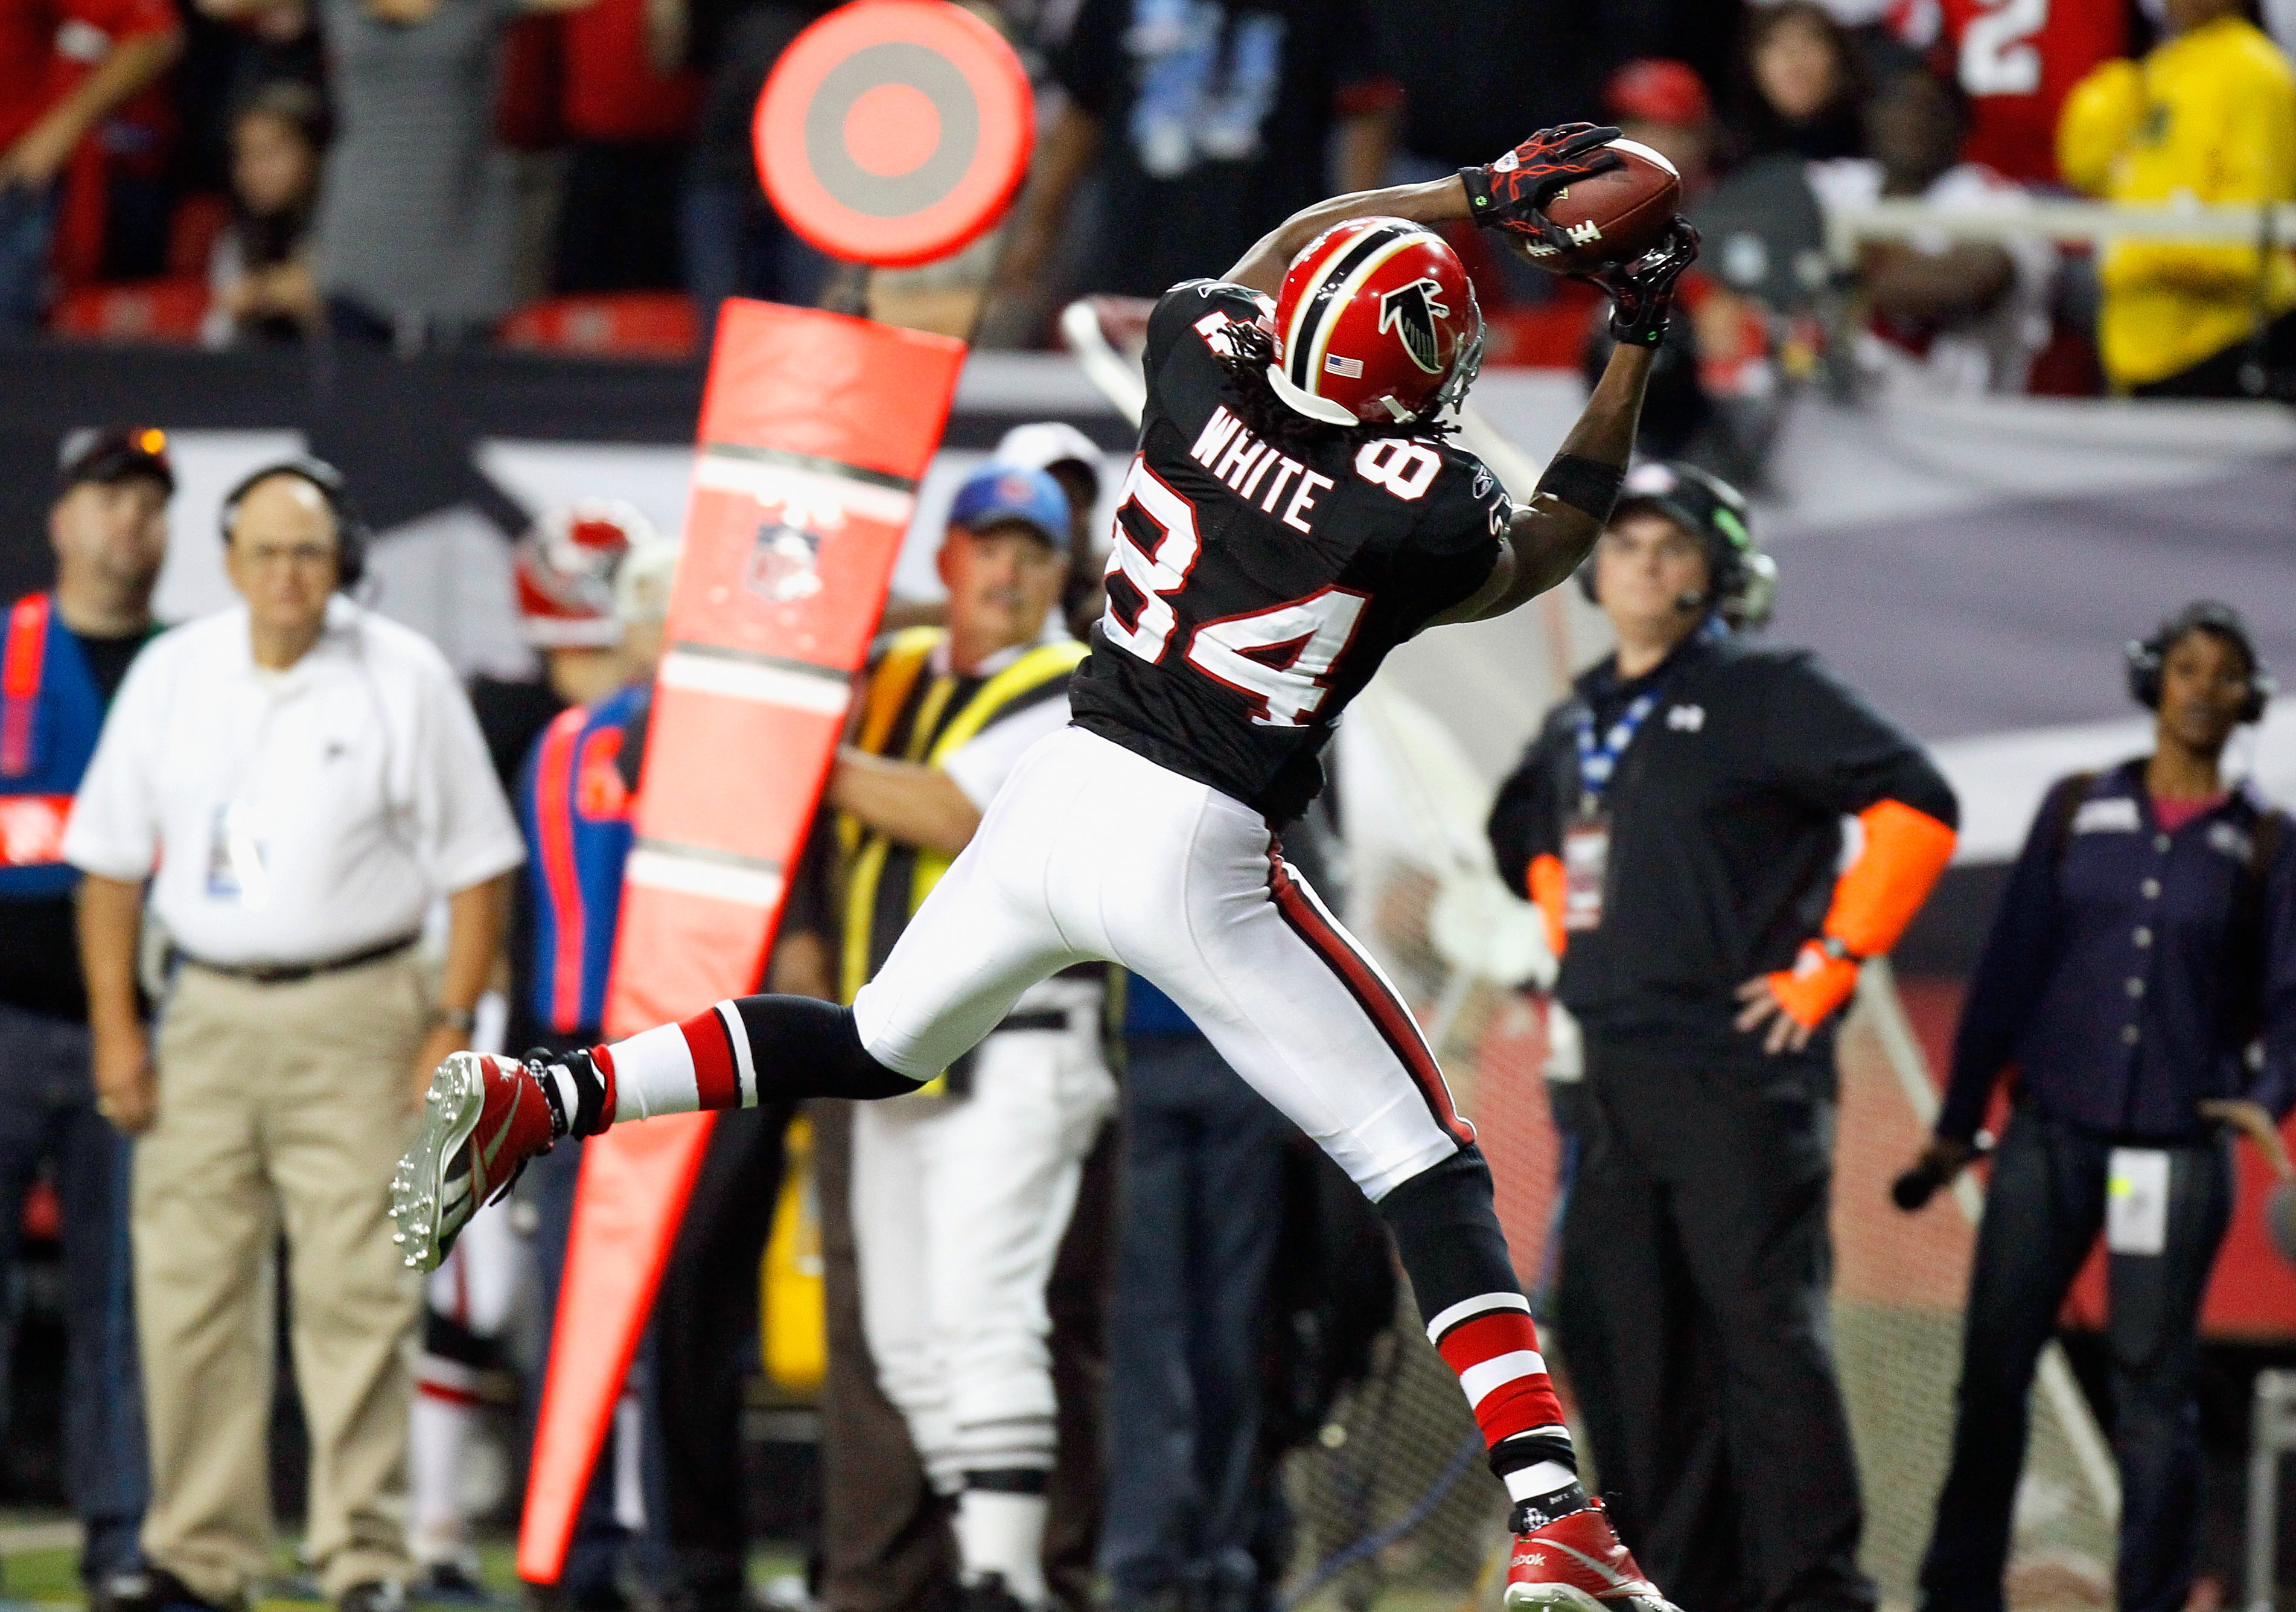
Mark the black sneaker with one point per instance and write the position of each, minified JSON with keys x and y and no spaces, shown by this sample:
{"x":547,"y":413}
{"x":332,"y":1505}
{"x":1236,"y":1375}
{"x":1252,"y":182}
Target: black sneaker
{"x":373,"y":1595}
{"x":714,"y":1593}
{"x":449,"y":1584}
{"x":1169,"y":1598}
{"x":607,"y":1597}
{"x":151,"y":1590}
{"x":989,"y":1593}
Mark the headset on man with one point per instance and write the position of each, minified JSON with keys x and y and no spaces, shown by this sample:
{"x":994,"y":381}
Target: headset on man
{"x":351,"y":533}
{"x":1742,"y":581}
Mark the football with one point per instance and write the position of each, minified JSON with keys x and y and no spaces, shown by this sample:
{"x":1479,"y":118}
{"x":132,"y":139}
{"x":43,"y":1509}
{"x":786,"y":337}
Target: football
{"x":1615,"y":217}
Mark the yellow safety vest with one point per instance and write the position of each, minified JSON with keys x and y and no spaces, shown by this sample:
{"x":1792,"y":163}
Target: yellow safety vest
{"x":898,"y":687}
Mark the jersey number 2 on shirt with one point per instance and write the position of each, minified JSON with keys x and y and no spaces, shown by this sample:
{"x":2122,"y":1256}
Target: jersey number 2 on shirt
{"x":1277,"y":658}
{"x":1997,"y":53}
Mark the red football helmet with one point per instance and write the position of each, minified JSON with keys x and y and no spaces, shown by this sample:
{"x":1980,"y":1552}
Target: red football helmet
{"x":565,"y":567}
{"x":1375,"y":323}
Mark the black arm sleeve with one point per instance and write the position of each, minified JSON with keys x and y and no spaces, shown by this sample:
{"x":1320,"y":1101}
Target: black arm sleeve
{"x":2011,"y":971}
{"x":2275,"y":1085}
{"x":809,"y":906}
{"x":1826,"y":746}
{"x":1526,"y":820}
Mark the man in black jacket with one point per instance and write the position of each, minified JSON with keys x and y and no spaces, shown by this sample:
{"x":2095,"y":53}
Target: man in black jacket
{"x":1679,"y":819}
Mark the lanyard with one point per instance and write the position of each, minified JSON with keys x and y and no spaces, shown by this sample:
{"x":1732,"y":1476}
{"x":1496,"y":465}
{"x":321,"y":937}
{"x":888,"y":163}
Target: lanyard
{"x":1598,"y":760}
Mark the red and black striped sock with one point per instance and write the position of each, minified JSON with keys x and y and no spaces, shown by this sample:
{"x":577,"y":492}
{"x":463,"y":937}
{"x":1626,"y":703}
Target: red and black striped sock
{"x":1447,"y":1234}
{"x":744,"y":1051}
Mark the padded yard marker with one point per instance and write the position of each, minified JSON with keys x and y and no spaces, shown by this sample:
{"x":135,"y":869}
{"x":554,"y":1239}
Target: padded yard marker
{"x":815,"y":430}
{"x":894,"y":132}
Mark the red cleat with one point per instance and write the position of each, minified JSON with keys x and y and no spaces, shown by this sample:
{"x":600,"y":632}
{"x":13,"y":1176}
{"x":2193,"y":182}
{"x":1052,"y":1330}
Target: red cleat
{"x":1577,"y":1563}
{"x":484,"y":1118}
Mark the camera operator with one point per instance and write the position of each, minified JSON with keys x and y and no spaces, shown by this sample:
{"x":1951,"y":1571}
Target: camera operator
{"x":1679,"y":817}
{"x":2146,"y":941}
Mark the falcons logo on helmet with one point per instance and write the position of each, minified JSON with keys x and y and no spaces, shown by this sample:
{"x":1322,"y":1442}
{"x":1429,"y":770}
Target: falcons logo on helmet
{"x":1411,"y":311}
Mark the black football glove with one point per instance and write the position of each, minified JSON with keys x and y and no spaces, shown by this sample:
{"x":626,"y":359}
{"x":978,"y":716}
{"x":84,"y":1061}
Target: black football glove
{"x":1511,"y":194}
{"x":1642,"y":293}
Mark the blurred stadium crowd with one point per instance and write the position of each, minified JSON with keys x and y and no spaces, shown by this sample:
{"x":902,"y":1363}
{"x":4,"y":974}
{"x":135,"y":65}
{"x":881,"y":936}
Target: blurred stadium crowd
{"x":430,"y":173}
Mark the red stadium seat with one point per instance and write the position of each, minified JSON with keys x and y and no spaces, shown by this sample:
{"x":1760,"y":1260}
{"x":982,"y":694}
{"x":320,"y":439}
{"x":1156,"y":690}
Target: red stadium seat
{"x":1549,"y":335}
{"x":141,"y":310}
{"x":200,"y":221}
{"x":623,"y":325}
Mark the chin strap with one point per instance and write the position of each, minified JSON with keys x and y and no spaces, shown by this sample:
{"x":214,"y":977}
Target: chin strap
{"x":1873,"y":901}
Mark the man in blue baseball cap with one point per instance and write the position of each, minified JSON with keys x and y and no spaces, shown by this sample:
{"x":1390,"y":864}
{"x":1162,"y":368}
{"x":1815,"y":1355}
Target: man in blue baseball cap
{"x":958,"y":1195}
{"x":1004,"y":559}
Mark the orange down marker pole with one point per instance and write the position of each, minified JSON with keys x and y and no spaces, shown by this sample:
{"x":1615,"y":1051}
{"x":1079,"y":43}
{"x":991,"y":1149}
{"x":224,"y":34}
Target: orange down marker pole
{"x":891,"y":132}
{"x":814,"y":430}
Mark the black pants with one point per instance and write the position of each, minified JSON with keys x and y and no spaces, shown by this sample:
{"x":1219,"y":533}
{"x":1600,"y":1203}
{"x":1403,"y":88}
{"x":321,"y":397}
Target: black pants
{"x":1202,"y":1212}
{"x":47,"y":1112}
{"x":2042,"y":1213}
{"x":705,"y":1324}
{"x":1693,"y":1311}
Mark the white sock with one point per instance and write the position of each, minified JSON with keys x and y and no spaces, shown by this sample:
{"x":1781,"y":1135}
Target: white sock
{"x":1538,"y":1480}
{"x":436,"y":1437}
{"x":630,"y":1475}
{"x":1002,"y":1533}
{"x":653,"y":1074}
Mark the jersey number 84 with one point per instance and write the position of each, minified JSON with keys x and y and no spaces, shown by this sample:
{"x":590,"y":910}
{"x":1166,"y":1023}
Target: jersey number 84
{"x":1279,"y":659}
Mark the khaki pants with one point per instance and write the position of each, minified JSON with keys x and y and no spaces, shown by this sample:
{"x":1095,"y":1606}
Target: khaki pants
{"x":282,"y":1108}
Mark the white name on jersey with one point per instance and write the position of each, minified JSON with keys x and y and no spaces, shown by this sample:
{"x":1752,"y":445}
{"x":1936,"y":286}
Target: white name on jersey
{"x":1245,"y":463}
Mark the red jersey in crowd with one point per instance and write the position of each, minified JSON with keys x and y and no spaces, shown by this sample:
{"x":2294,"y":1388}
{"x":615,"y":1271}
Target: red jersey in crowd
{"x":47,"y":46}
{"x":2016,"y":60}
{"x":612,"y":92}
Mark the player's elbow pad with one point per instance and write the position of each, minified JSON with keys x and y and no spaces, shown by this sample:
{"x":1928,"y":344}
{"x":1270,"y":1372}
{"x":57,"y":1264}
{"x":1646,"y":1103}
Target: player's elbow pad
{"x":1904,"y":851}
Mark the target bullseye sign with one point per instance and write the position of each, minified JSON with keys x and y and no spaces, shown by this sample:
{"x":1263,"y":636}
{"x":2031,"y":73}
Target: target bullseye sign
{"x":894,"y":132}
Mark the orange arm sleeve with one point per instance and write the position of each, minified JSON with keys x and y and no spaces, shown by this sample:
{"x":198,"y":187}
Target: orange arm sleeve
{"x":1878,"y":895}
{"x":1546,"y":889}
{"x":1873,"y":901}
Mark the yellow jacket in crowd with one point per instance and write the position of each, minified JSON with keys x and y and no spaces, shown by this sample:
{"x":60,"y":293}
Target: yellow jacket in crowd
{"x":2209,"y":117}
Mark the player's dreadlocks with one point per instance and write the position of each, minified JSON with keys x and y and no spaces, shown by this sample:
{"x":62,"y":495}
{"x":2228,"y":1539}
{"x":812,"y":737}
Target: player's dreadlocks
{"x":1246,"y":351}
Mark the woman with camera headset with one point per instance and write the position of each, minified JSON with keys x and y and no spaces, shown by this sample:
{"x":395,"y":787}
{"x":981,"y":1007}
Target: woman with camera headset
{"x":2142,"y":976}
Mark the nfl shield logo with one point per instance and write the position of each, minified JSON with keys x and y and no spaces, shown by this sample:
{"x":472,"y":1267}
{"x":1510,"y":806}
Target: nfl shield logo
{"x":785,"y":563}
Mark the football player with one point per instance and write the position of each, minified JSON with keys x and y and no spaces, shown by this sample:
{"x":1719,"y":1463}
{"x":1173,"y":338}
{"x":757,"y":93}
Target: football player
{"x":1294,"y":511}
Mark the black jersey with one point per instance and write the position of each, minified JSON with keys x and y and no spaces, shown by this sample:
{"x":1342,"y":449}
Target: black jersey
{"x":1254,"y":587}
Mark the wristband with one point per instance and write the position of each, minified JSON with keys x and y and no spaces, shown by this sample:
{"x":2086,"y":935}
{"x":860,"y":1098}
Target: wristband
{"x":1477,"y":183}
{"x":1815,"y":986}
{"x":1587,"y":485}
{"x":462,"y":1020}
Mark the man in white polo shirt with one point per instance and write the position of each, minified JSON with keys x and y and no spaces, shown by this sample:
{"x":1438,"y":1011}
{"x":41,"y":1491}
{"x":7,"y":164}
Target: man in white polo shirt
{"x":298,"y":780}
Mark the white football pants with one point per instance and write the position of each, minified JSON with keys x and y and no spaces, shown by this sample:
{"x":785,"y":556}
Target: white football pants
{"x":1090,"y":851}
{"x":959,"y":1205}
